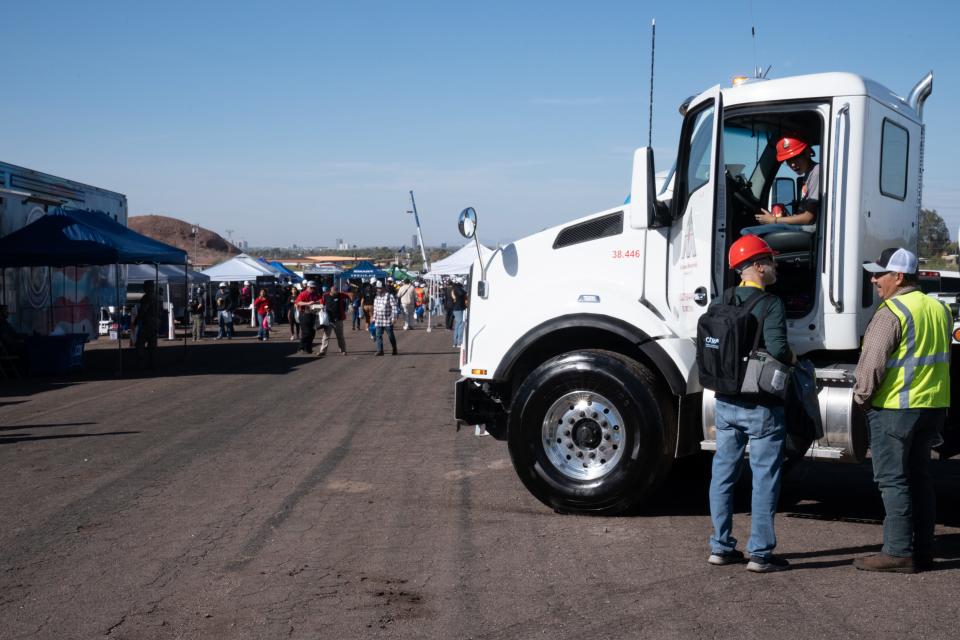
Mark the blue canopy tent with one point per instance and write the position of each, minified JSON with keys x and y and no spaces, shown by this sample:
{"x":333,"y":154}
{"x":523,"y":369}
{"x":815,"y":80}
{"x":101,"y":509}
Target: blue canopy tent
{"x":276,"y":264}
{"x":71,"y":237}
{"x":364,"y":270}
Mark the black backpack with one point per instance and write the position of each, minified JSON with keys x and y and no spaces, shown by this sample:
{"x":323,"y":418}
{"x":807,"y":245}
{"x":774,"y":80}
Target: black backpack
{"x":726,"y":335}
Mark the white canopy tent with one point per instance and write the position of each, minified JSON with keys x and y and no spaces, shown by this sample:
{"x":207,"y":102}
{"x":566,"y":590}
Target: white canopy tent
{"x":243,"y":267}
{"x":459,"y":262}
{"x":240,"y":268}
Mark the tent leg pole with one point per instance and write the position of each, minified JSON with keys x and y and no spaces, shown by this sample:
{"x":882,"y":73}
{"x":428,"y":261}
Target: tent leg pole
{"x":186,"y":300}
{"x":50,"y":278}
{"x":119,"y":319}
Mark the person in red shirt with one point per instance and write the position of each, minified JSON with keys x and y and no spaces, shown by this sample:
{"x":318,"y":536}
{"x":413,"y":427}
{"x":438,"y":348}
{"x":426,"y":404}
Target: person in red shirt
{"x":308,"y":316}
{"x":262,"y":306}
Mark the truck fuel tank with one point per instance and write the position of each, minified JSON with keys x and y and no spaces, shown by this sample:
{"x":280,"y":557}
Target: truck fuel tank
{"x":844,"y":426}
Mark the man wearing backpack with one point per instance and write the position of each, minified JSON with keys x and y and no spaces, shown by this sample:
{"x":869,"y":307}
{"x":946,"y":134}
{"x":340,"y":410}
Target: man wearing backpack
{"x":755,"y":419}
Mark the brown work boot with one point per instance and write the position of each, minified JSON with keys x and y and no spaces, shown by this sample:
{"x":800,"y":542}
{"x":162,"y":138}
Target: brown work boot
{"x":884,"y":562}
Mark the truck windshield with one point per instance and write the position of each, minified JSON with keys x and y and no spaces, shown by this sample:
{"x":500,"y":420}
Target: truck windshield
{"x":742,"y":149}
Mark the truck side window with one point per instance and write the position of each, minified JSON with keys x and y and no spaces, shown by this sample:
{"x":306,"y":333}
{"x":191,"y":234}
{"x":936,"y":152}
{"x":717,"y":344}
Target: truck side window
{"x":700,"y":156}
{"x":894,"y":148}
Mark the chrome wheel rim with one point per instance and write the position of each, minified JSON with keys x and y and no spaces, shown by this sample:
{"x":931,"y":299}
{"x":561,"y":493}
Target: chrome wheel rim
{"x":583,"y":435}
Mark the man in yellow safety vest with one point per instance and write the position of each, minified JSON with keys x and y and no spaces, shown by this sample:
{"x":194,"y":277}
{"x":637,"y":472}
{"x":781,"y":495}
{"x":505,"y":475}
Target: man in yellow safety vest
{"x":903,"y":384}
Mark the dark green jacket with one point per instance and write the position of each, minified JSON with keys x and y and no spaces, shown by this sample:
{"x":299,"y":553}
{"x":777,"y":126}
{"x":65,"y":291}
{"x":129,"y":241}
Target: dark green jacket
{"x":774,"y":338}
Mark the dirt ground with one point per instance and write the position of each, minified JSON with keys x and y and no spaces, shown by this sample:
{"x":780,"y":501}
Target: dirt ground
{"x":238,"y":490}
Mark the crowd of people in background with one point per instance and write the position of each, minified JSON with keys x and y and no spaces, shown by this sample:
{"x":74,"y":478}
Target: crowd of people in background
{"x":318,"y":311}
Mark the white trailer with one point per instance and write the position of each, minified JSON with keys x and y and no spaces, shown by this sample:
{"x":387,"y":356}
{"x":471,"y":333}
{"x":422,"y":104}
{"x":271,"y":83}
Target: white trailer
{"x":595,"y":387}
{"x":41,"y":299}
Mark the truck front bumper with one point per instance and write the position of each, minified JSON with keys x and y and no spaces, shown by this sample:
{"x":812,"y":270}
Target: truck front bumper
{"x":473,"y":405}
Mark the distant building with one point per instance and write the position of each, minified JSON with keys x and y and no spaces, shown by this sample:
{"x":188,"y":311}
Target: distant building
{"x":443,"y":245}
{"x":413,"y":241}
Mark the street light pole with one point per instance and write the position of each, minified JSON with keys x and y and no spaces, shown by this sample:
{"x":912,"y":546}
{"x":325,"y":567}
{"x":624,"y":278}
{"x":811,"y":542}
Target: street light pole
{"x":196,"y":234}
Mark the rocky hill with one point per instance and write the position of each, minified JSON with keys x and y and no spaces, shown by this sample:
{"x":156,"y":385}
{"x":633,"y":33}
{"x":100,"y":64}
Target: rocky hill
{"x":211,"y":247}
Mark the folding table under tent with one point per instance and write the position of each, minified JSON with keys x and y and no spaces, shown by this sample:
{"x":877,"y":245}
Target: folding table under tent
{"x":73,"y":238}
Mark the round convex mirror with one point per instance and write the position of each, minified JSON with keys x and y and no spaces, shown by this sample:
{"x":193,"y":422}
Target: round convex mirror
{"x":468,"y":222}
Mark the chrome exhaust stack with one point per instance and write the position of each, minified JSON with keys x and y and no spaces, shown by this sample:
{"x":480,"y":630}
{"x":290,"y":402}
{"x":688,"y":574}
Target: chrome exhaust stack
{"x":920,"y":92}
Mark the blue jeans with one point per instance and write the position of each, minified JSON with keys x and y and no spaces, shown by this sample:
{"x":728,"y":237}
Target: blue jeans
{"x":388,"y":329}
{"x":900,"y":443}
{"x":225,"y":320}
{"x":457,"y":327}
{"x":763,"y":229}
{"x":764,"y":427}
{"x":262,"y":333}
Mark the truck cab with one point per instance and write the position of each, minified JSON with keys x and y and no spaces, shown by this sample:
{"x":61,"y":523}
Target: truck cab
{"x":593,"y":382}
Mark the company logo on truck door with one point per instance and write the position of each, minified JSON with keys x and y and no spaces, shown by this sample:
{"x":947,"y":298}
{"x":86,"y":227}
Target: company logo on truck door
{"x":689,"y":243}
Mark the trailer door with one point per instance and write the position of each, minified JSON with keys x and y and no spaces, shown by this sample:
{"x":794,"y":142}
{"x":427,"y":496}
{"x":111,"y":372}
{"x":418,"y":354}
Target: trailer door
{"x":699,"y":201}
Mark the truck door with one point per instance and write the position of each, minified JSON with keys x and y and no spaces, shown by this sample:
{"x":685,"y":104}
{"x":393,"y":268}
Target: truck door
{"x":697,"y":243}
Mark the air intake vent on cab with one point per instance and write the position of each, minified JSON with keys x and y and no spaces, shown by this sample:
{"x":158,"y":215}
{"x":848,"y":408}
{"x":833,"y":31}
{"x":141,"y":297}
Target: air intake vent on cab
{"x":601,"y":227}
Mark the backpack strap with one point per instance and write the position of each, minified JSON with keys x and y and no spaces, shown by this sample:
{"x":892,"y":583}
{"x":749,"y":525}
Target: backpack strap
{"x":754,"y":301}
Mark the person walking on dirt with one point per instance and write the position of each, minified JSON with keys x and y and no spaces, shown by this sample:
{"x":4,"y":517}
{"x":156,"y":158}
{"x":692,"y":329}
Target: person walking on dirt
{"x":757,"y":420}
{"x":308,"y":317}
{"x":146,"y":323}
{"x":196,"y":314}
{"x":903,"y":385}
{"x":336,"y":305}
{"x":406,"y":294}
{"x":385,"y":311}
{"x":367,"y":295}
{"x":458,"y":299}
{"x":262,"y":307}
{"x":225,"y":306}
{"x":293,"y":314}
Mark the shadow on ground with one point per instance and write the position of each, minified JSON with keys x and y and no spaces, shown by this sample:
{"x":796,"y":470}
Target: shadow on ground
{"x":28,"y":437}
{"x":813,"y":490}
{"x":102,"y":361}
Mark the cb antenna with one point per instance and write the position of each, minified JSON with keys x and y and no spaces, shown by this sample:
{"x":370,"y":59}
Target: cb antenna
{"x":653,"y":48}
{"x":753,"y":38}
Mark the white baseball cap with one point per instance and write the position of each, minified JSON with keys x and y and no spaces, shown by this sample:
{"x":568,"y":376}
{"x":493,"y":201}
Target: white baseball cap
{"x":894,"y":259}
{"x":222,"y":285}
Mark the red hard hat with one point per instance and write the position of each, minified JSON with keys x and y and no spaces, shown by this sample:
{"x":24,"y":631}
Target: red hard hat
{"x":788,"y":147}
{"x":747,"y":247}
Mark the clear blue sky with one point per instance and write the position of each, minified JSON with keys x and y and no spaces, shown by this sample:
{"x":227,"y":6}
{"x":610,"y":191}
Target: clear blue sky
{"x":302,"y":122}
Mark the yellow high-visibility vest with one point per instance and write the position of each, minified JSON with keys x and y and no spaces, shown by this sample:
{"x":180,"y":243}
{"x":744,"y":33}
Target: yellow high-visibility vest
{"x":918,"y":370}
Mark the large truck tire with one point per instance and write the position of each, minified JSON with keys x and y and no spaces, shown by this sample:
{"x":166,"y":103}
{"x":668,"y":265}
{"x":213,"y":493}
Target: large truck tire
{"x":586,"y":433}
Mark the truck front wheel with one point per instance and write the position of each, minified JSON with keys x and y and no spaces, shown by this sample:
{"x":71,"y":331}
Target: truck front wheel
{"x":586,"y":433}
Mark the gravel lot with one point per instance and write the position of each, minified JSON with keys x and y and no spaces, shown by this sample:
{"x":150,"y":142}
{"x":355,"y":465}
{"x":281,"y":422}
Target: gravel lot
{"x":241,"y":491}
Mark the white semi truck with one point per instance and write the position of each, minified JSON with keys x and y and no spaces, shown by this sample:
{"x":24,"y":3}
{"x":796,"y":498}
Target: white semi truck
{"x":592,"y":379}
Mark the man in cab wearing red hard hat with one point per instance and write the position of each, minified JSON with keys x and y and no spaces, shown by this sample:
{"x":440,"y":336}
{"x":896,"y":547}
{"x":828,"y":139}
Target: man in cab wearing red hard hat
{"x":756,"y":419}
{"x":799,"y":157}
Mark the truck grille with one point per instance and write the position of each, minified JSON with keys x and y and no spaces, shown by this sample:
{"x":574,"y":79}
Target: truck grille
{"x":602,"y":227}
